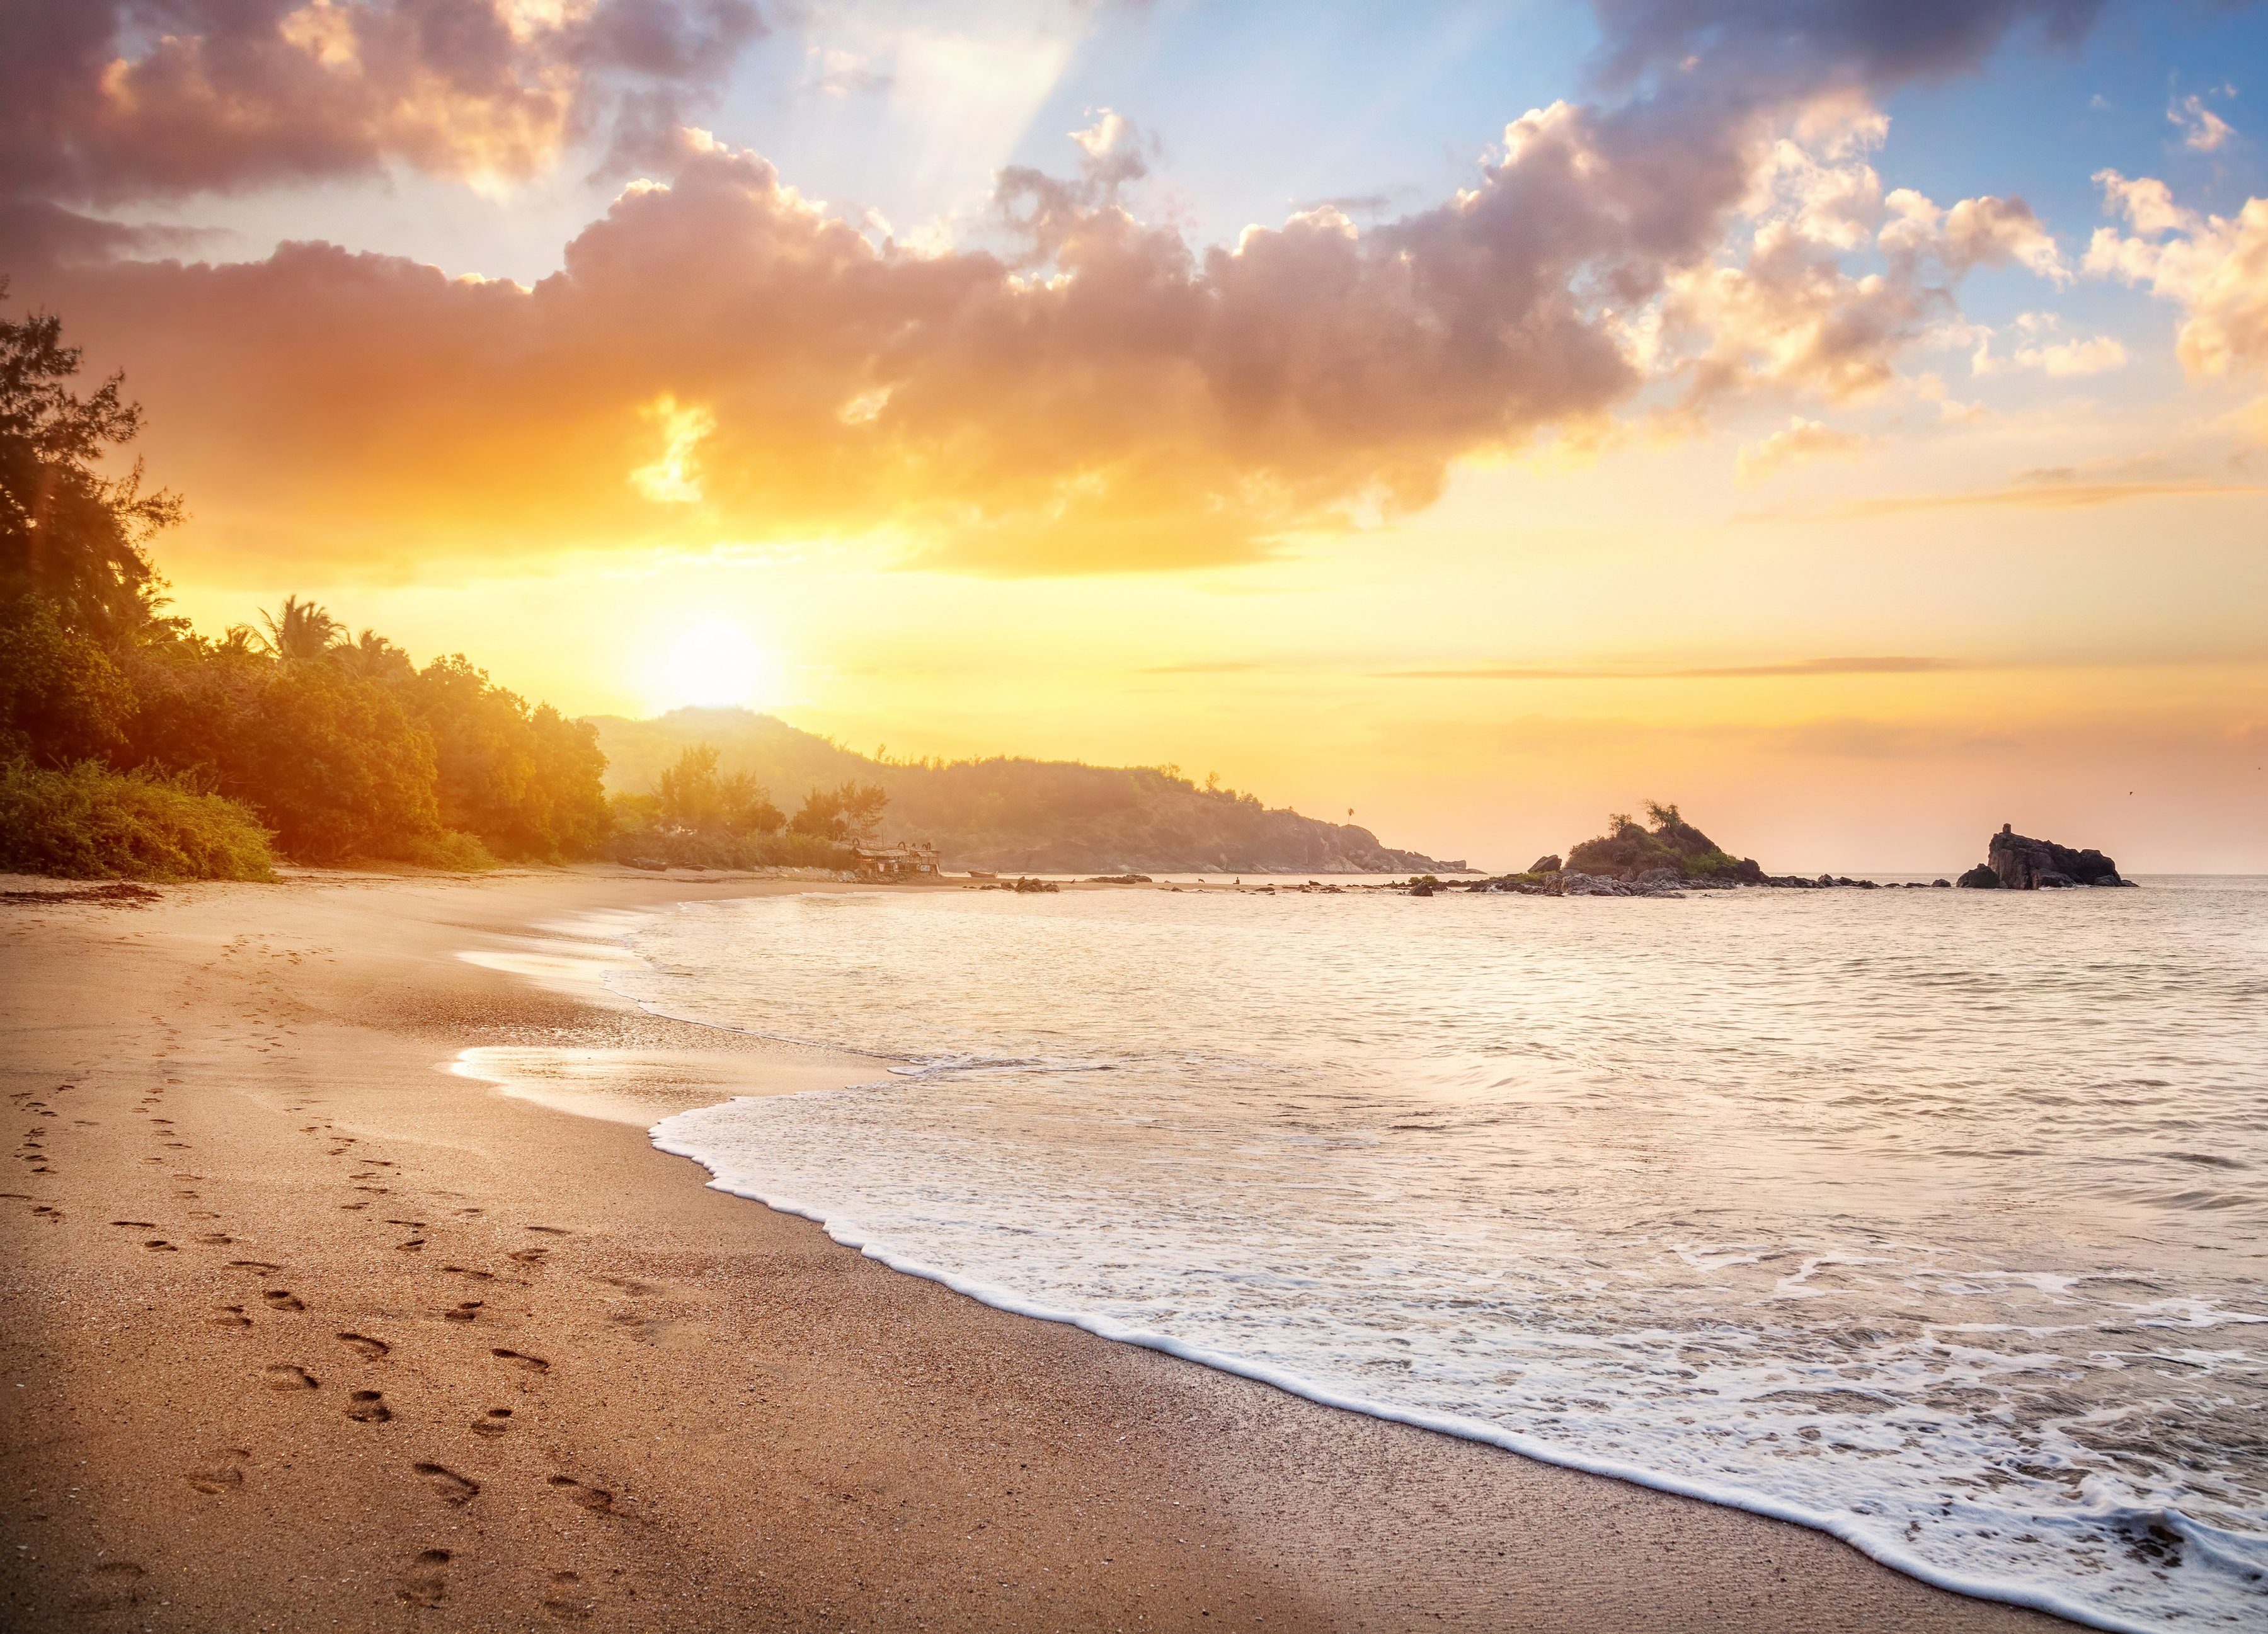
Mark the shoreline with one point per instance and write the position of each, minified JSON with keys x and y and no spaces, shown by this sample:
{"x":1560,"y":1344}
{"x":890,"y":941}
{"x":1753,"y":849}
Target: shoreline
{"x":715,"y":1411}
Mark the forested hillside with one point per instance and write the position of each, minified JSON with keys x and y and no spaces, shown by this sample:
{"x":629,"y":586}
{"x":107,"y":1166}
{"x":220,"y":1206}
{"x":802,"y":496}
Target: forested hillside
{"x":1004,"y":814}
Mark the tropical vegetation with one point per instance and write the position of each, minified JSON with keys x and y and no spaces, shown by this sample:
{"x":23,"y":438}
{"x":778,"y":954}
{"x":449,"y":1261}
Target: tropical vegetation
{"x":129,"y":745}
{"x":1629,"y":849}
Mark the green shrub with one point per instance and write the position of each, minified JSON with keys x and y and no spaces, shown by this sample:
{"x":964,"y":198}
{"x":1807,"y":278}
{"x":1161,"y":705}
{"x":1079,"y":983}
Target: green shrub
{"x":62,"y":699}
{"x":448,"y":848}
{"x":88,"y":822}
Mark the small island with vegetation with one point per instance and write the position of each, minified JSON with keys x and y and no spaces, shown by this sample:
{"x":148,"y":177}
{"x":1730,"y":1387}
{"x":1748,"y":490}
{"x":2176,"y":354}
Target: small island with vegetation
{"x":1667,"y":856}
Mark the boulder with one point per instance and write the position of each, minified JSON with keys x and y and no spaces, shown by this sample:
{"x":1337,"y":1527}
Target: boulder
{"x":2024,"y":864}
{"x":1981,"y":878}
{"x":1545,"y":864}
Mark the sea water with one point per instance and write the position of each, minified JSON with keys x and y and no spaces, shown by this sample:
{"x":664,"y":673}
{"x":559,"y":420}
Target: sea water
{"x":1932,"y":1218}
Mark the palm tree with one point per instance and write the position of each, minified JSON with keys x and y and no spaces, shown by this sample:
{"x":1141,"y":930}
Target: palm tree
{"x":301,"y":632}
{"x":372,"y":655}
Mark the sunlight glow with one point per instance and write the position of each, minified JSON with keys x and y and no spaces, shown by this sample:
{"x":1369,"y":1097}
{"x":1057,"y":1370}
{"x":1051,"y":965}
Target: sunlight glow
{"x":716,"y":666}
{"x":672,"y":479}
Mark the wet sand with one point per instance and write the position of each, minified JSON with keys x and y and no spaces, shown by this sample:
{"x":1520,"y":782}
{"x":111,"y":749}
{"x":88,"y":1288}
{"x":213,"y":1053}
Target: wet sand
{"x":300,"y":1329}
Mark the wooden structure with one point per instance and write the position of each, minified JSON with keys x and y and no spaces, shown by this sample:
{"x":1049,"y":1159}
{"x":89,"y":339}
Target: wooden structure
{"x":914,"y":859}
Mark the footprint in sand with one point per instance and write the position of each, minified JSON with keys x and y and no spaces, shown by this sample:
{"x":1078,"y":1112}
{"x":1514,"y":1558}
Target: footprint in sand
{"x":412,"y":1247}
{"x":252,"y":1265}
{"x":530,"y":1256}
{"x":368,"y":1346}
{"x":552,"y":1231}
{"x":222,"y":1472}
{"x":561,"y":1603}
{"x":467,"y":1270}
{"x":284,"y":1376}
{"x":283,"y":1299}
{"x":594,"y":1498}
{"x":115,"y":1585}
{"x":228,"y":1316}
{"x":137,"y":1225}
{"x":464,"y":1313}
{"x":498,"y":1420}
{"x":161,"y":1246}
{"x":368,"y":1407}
{"x":215,"y":1239}
{"x":451,"y":1487}
{"x":423,"y":1585}
{"x":533,"y":1364}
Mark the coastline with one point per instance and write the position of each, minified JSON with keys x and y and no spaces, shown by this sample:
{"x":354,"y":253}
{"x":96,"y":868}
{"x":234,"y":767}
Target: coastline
{"x":715,"y":1411}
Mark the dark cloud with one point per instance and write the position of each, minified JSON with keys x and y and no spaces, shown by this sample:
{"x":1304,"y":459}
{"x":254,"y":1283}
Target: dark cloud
{"x":106,"y":101}
{"x":1799,"y":46}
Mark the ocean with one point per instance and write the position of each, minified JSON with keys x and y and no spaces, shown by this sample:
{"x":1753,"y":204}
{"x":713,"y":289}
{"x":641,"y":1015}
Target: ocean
{"x":1934,"y":1219}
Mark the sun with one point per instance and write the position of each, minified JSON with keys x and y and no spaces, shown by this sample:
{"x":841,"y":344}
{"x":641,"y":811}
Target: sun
{"x":716,"y":666}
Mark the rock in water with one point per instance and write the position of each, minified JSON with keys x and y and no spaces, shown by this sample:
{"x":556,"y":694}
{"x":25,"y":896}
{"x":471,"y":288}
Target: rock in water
{"x":1981,"y":878}
{"x":2024,"y":864}
{"x":1545,"y":864}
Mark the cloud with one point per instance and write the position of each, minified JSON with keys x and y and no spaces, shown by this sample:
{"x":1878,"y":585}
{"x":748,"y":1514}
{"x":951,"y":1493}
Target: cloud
{"x":1797,"y":443}
{"x":2038,"y":491}
{"x":1785,"y":314}
{"x":111,"y":100}
{"x":2202,"y":130}
{"x":2214,"y":267}
{"x":2041,"y":348}
{"x":838,"y":74}
{"x":1795,"y":669}
{"x":1771,"y":42}
{"x":1088,"y":391}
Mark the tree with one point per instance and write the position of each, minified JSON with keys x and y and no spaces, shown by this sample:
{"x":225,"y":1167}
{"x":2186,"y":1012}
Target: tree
{"x":62,"y":699}
{"x":337,"y":766}
{"x":302,"y":633}
{"x":852,"y":811}
{"x":68,"y":532}
{"x":693,"y":794}
{"x":526,"y":782}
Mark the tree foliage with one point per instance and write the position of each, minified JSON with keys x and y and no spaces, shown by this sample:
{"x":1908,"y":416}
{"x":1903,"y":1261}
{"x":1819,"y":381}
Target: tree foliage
{"x":851,"y":813}
{"x":696,"y":815}
{"x":338,"y":746}
{"x":68,"y":532}
{"x":1629,"y":849}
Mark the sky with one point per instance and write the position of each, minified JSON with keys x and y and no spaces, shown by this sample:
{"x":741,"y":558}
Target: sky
{"x":1847,"y":419}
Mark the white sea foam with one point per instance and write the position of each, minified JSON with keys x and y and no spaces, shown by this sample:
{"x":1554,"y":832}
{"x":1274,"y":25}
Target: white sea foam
{"x":1930,"y":1221}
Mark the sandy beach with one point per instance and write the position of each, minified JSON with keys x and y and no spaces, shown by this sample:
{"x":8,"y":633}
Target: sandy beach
{"x":302,"y":1329}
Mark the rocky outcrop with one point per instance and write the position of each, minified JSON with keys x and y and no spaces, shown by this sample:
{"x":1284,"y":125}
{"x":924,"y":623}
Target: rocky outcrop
{"x":2022,"y":863}
{"x":1545,"y":864}
{"x":1981,"y":878}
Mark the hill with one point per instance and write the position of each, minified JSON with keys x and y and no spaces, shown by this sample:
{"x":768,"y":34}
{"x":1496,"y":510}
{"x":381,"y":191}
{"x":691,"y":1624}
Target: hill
{"x":1014,"y":814}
